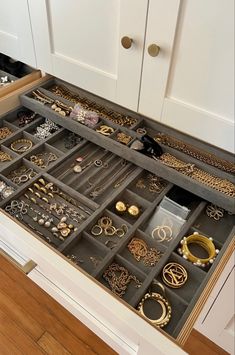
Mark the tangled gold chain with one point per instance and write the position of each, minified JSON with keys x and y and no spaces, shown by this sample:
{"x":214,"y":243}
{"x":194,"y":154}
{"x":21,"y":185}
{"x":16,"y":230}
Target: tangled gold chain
{"x":118,"y":278}
{"x":103,"y":112}
{"x":201,"y":155}
{"x":221,"y":185}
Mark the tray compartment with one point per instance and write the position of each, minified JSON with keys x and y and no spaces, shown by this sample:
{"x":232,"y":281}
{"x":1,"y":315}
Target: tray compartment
{"x":44,"y":149}
{"x":130,"y":199}
{"x":61,"y":139}
{"x":21,"y":164}
{"x":88,"y":252}
{"x":132,"y":286}
{"x":87,"y":152}
{"x":197,"y":250}
{"x":141,"y":186}
{"x":125,"y":253}
{"x":13,"y":155}
{"x":117,"y":179}
{"x":97,"y":175}
{"x":12,"y":128}
{"x":111,"y":241}
{"x":153,"y":310}
{"x":8,"y":183}
{"x":195,"y":278}
{"x":217,"y":229}
{"x":128,"y":142}
{"x":21,"y":135}
{"x":13,"y":119}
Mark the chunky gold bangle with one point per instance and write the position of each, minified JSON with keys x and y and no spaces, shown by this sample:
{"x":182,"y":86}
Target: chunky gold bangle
{"x":206,"y":243}
{"x":166,"y":309}
{"x":25,"y":144}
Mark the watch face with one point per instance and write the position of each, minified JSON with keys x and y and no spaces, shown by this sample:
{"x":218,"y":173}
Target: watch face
{"x":2,"y":185}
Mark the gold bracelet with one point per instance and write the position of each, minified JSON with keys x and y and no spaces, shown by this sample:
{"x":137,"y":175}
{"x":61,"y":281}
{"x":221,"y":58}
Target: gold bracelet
{"x":206,"y":243}
{"x":24,"y":145}
{"x":165,"y":306}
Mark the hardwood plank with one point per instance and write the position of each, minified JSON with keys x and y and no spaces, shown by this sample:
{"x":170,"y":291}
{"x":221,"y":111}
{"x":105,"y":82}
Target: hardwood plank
{"x":20,"y":317}
{"x":198,"y":344}
{"x":55,"y":310}
{"x":51,"y":346}
{"x":47,"y":320}
{"x":7,"y":347}
{"x":18,"y":337}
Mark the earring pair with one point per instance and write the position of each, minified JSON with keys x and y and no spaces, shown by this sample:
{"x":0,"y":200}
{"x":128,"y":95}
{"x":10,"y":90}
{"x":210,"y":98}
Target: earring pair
{"x":122,"y":207}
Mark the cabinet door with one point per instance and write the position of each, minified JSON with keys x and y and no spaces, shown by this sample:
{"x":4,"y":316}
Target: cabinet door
{"x":80,"y":42}
{"x":15,"y":31}
{"x":189,"y":85}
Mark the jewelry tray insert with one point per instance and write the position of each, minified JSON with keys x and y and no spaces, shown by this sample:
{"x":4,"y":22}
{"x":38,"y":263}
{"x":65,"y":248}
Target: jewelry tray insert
{"x":75,"y":191}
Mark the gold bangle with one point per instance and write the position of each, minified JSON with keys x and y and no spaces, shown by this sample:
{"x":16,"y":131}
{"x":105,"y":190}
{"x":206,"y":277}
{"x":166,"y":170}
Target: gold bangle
{"x":206,"y":243}
{"x":166,"y":309}
{"x":22,"y":148}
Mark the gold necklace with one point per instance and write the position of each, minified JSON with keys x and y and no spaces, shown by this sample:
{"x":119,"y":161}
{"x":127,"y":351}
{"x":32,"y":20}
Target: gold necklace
{"x":221,"y":185}
{"x":201,"y":155}
{"x":87,"y":104}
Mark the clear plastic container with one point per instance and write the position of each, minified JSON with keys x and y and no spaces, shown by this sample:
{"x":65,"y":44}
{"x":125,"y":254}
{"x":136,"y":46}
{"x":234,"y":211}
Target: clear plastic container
{"x":164,"y":225}
{"x":174,"y":207}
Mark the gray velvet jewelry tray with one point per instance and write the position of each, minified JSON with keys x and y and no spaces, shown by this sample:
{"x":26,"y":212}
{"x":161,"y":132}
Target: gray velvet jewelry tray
{"x":135,"y":157}
{"x":93,"y":253}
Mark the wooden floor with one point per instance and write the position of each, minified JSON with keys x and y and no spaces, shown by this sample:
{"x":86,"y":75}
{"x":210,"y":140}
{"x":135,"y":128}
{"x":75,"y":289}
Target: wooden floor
{"x":32,"y":323}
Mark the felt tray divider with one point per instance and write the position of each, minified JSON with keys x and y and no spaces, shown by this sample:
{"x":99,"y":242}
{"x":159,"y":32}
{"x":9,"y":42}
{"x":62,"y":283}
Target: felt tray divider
{"x":168,"y":252}
{"x":132,"y":228}
{"x":204,"y":283}
{"x":112,"y":179}
{"x":96,"y":176}
{"x":135,"y":157}
{"x":97,"y":99}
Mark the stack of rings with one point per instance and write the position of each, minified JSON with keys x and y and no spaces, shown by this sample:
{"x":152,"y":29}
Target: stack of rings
{"x":204,"y":242}
{"x":162,"y":233}
{"x":105,"y":225}
{"x":165,"y":317}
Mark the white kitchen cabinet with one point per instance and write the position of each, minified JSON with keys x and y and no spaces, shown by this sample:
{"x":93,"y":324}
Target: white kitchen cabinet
{"x":80,"y":42}
{"x":190,"y":84}
{"x":15,"y":31}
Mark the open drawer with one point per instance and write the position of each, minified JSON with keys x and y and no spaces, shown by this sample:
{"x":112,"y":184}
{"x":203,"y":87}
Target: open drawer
{"x":71,"y":267}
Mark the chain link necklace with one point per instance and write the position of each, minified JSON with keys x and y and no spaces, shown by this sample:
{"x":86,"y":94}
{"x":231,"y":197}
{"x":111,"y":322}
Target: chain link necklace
{"x":221,"y":185}
{"x":201,"y":155}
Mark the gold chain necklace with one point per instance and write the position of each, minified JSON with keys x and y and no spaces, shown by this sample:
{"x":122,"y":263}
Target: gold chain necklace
{"x":87,"y":104}
{"x":201,"y":155}
{"x":221,"y":185}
